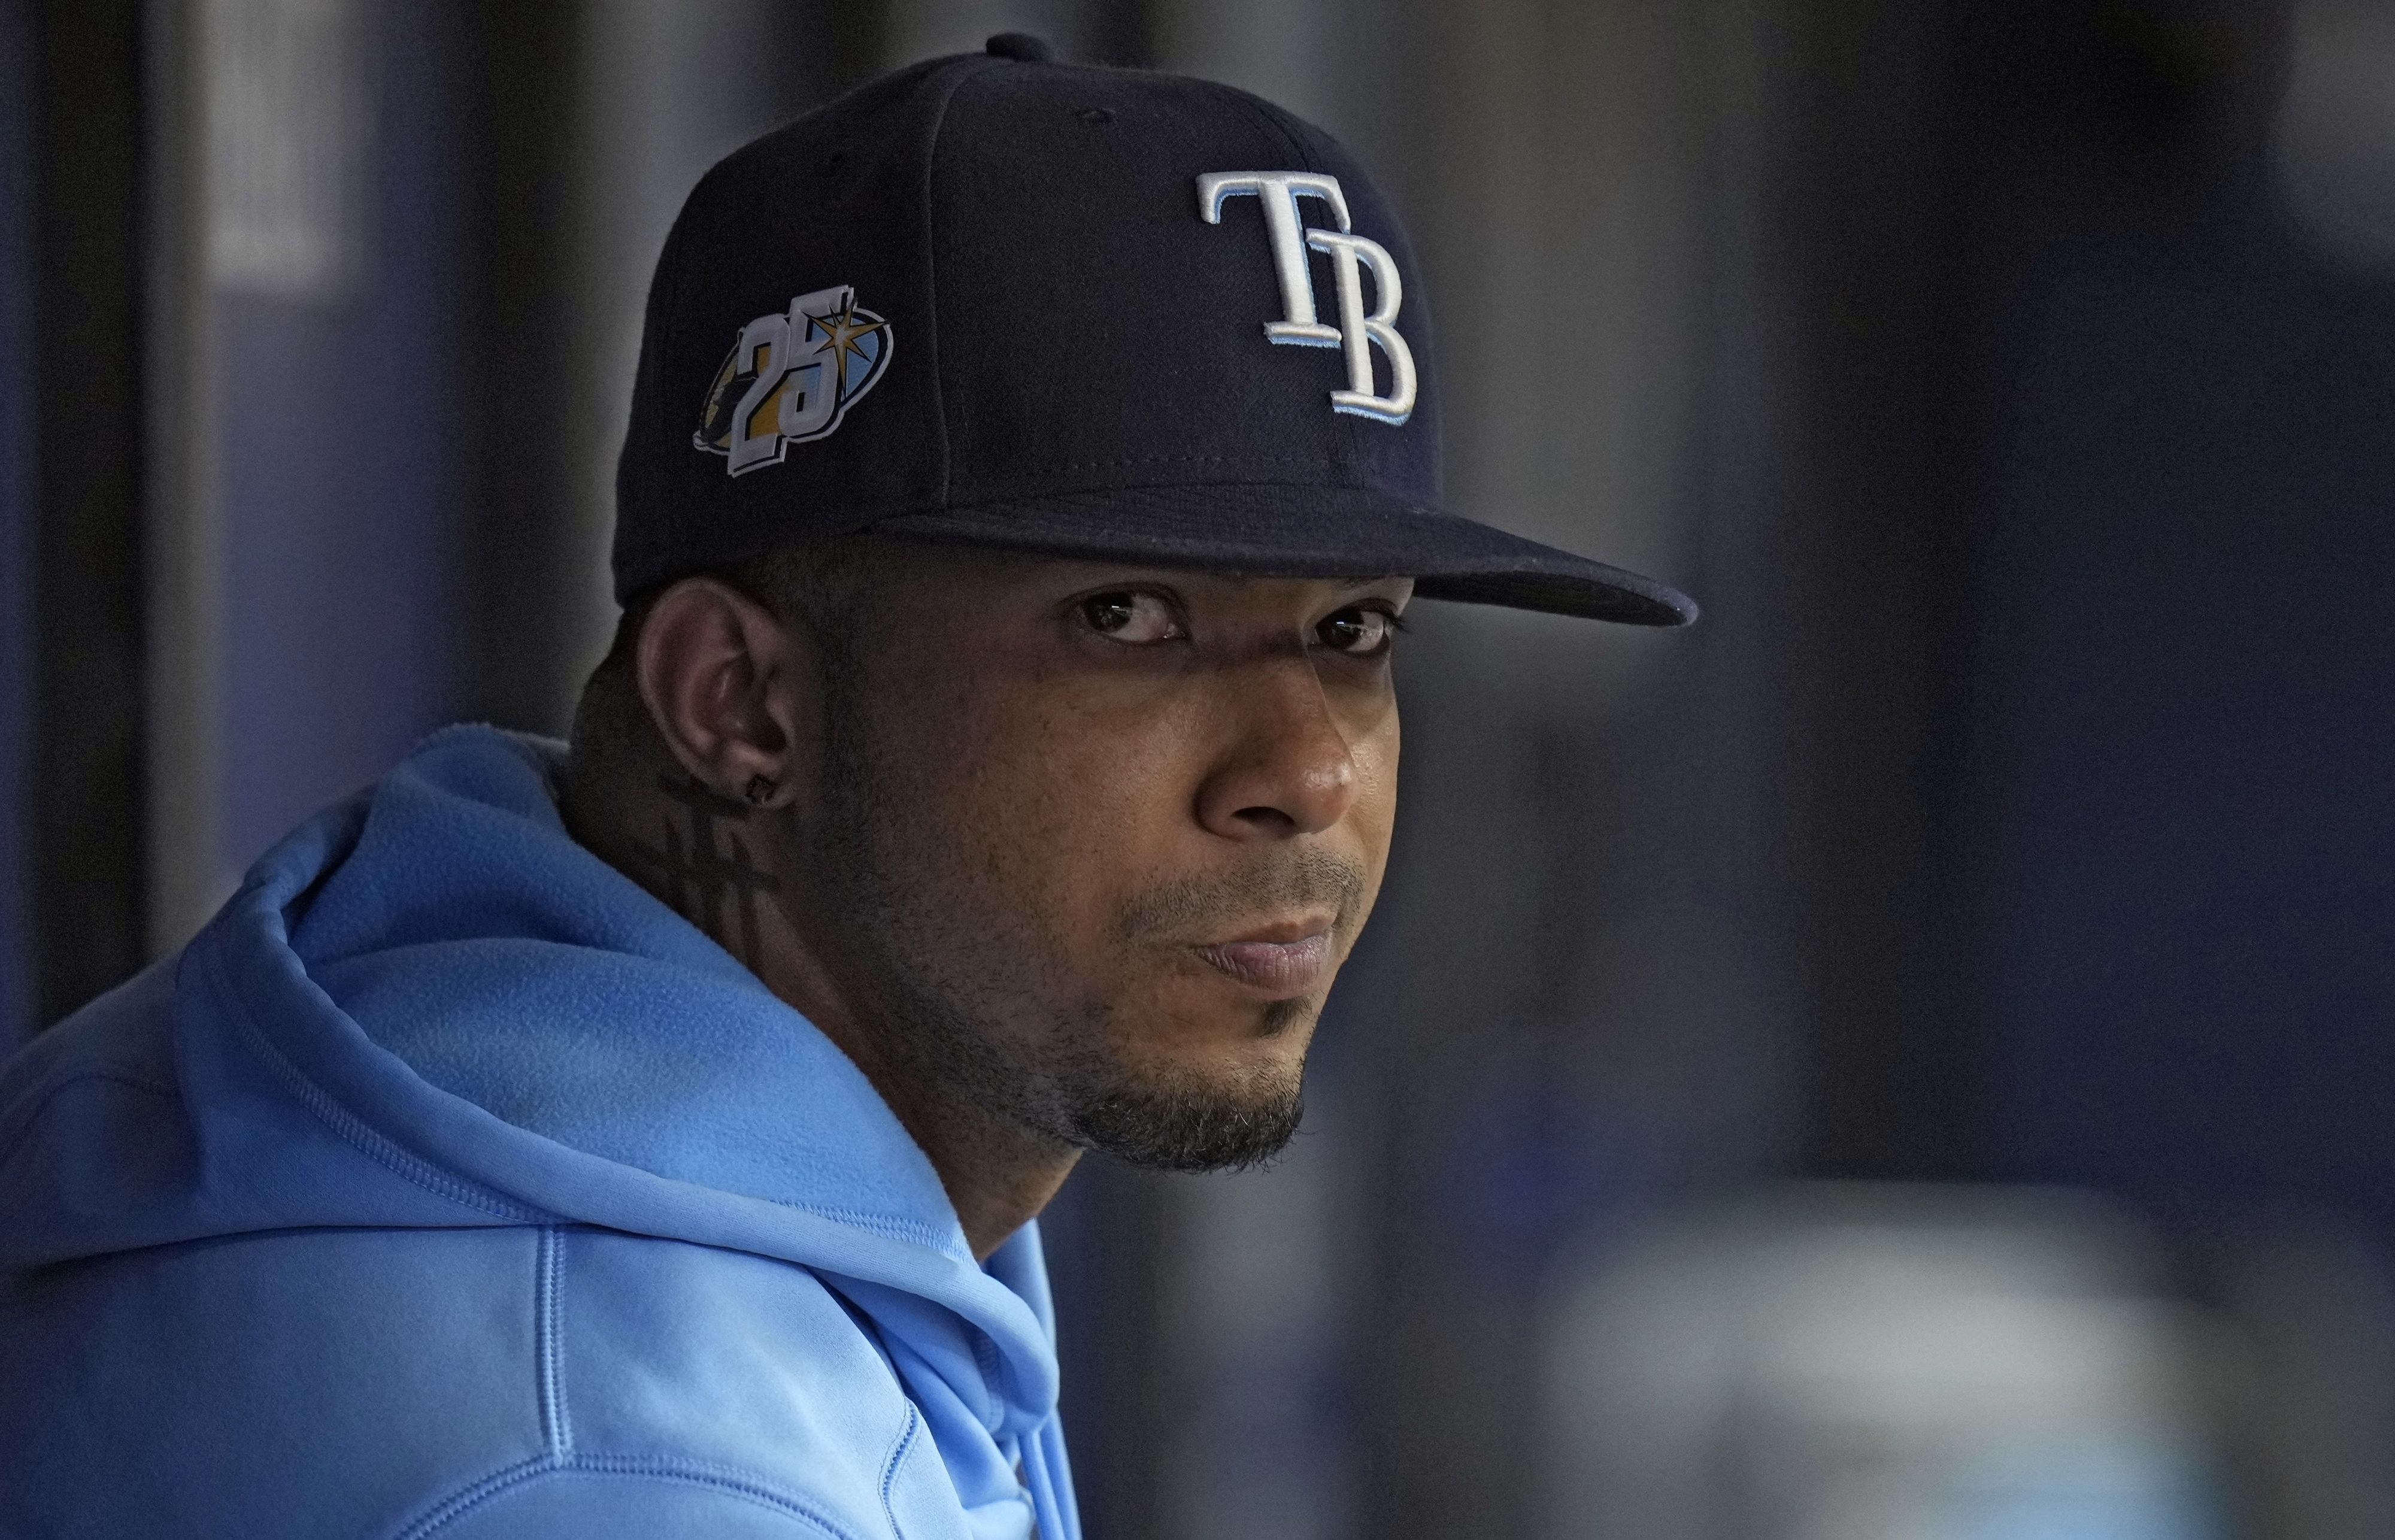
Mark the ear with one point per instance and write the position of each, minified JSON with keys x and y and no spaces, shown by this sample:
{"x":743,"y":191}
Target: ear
{"x":729,"y":688}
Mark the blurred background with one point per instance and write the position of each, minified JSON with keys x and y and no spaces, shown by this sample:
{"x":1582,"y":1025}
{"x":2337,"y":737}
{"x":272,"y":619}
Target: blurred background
{"x":1907,"y":1059}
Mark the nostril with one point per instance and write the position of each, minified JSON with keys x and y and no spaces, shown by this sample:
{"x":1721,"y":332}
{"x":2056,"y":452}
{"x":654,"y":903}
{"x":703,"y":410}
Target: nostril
{"x":1265,"y":818}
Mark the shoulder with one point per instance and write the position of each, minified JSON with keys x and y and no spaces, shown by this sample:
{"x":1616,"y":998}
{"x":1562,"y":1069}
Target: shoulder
{"x":516,"y":1380}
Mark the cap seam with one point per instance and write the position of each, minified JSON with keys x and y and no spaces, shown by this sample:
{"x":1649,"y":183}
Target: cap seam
{"x":670,"y":308}
{"x":932,"y":266}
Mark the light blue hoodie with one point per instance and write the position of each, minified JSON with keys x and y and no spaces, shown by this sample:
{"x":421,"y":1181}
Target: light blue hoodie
{"x":449,"y":1184}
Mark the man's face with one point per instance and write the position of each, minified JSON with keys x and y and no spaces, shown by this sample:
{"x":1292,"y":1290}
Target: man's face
{"x":1094,"y":839}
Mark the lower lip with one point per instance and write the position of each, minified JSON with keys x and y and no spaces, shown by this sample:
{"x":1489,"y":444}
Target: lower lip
{"x":1276,"y":970}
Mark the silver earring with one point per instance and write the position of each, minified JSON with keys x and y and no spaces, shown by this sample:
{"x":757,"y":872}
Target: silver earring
{"x":761,"y":790}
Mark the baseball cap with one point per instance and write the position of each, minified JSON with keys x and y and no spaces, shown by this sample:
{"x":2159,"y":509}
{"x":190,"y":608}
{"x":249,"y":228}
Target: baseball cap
{"x":1002,"y":301}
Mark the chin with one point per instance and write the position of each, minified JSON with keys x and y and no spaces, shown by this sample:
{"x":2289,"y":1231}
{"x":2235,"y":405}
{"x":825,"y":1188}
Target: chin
{"x":1183,"y":1120}
{"x":1210,"y":1086}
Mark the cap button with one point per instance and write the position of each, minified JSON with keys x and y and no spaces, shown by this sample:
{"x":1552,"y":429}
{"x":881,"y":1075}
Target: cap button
{"x":1022,"y":47}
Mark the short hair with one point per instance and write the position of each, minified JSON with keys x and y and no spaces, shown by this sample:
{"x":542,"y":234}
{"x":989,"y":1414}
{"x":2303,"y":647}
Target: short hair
{"x":825,"y":585}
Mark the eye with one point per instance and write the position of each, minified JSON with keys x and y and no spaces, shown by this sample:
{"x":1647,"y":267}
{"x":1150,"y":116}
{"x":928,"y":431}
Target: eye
{"x":1129,"y":616}
{"x":1357,"y":633}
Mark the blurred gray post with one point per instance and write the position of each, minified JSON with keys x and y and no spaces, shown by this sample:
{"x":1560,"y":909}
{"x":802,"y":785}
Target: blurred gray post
{"x":667,"y":89}
{"x":655,"y":91}
{"x":184,"y":538}
{"x":259,"y":124}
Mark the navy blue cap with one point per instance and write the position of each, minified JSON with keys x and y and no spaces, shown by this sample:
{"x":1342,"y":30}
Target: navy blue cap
{"x":1000,"y":301}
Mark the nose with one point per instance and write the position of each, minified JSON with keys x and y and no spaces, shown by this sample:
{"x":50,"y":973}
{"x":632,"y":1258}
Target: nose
{"x":1289,"y":770}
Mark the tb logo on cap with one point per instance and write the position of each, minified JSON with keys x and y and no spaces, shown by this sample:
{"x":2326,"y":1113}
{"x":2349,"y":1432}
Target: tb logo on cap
{"x":1357,"y":332}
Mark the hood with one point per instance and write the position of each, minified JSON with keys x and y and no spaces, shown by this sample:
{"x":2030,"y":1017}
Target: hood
{"x":430,"y":1008}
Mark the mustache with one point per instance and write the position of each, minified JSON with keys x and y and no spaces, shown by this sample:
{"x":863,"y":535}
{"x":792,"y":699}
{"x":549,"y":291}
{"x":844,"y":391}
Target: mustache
{"x":1192,"y":906}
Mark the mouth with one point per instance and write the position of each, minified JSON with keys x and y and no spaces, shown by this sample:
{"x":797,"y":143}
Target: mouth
{"x":1277,"y":963}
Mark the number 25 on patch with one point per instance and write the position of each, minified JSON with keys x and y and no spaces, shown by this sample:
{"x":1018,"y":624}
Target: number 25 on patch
{"x":791,"y":376}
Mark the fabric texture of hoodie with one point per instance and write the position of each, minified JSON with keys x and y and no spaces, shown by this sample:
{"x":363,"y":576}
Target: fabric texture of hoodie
{"x":448,"y":1183}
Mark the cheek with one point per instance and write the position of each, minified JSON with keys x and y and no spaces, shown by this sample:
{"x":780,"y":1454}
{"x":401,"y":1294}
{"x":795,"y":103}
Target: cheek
{"x":1097,"y":807}
{"x":1372,"y":818}
{"x":1376,"y":763}
{"x":1047,"y":812}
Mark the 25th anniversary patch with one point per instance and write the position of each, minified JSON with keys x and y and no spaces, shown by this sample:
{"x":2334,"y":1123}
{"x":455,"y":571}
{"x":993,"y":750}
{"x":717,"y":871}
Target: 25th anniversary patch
{"x":792,"y":376}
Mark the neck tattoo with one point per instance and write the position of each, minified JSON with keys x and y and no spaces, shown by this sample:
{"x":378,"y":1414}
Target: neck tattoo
{"x":698,"y":873}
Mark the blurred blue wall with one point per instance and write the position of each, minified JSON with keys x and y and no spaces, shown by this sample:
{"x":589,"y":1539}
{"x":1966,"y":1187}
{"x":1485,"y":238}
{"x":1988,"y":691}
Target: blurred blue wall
{"x":2181,"y":808}
{"x":2156,"y":958}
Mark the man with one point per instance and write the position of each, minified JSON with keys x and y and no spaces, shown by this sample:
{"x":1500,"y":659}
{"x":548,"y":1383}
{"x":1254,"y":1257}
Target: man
{"x":996,"y":762}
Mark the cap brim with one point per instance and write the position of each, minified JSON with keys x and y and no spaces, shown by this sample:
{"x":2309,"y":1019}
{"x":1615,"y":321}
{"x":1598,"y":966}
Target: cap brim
{"x":1306,"y":532}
